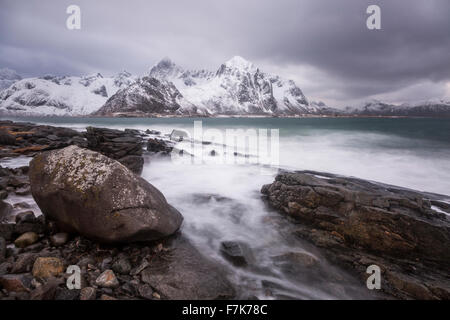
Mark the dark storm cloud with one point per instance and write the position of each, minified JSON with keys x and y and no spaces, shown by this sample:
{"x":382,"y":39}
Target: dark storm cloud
{"x":327,"y":37}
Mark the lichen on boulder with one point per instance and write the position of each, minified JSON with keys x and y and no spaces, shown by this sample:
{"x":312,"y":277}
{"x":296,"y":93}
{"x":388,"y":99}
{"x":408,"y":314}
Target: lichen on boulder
{"x":98,"y":197}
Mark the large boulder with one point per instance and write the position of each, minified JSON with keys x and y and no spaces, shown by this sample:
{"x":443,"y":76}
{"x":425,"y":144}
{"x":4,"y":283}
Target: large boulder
{"x":96,"y":196}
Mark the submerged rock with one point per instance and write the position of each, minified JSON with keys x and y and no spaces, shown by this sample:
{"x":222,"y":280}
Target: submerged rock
{"x":89,"y":193}
{"x":235,"y":252}
{"x":183,"y":273}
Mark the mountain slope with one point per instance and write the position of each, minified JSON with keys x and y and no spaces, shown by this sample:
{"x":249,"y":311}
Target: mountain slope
{"x":59,"y":96}
{"x":432,"y":108}
{"x":147,"y":96}
{"x":8,"y":77}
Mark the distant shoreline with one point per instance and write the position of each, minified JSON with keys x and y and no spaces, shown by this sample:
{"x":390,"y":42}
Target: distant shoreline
{"x":222,"y":116}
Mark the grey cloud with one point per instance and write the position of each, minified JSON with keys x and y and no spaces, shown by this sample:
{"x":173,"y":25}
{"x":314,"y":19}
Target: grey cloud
{"x":329,"y":36}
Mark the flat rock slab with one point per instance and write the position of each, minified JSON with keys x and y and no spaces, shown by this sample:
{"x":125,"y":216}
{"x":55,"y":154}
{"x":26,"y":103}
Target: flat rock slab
{"x":359,"y":223}
{"x":182,"y":273}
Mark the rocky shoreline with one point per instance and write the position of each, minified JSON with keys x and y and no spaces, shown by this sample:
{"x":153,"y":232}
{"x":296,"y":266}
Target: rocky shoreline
{"x":134,"y":259}
{"x":128,"y":243}
{"x":359,"y":223}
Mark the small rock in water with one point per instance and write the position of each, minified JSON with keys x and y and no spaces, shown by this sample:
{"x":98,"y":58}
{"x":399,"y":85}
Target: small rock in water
{"x":21,"y":205}
{"x":88,"y":293}
{"x":234,"y":252}
{"x":59,"y":239}
{"x":23,"y":191}
{"x":25,"y":216}
{"x":295,"y":262}
{"x":26,"y":239}
{"x":46,"y":267}
{"x":107,"y":280}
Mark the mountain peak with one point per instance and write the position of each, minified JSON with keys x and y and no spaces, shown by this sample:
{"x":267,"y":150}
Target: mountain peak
{"x":165,"y":68}
{"x":165,"y":62}
{"x":239,"y":63}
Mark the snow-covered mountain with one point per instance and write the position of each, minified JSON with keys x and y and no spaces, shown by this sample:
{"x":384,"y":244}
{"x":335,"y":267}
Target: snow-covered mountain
{"x":237,"y":87}
{"x":61,"y":95}
{"x":430,"y":108}
{"x":8,"y":77}
{"x":148,"y":96}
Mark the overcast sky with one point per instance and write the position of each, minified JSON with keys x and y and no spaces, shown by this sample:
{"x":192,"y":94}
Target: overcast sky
{"x":324,"y":45}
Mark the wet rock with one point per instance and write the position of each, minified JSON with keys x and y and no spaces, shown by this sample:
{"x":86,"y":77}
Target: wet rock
{"x":106,"y":297}
{"x":24,"y":262}
{"x":356,"y":221}
{"x":7,"y":230}
{"x":21,"y":205}
{"x":88,"y":193}
{"x":46,"y":267}
{"x":5,"y":209}
{"x":59,"y":239}
{"x":106,"y":263}
{"x":2,"y":249}
{"x":67,"y":294}
{"x":5,"y":267}
{"x":26,"y":239}
{"x":124,"y":146}
{"x":145,"y":291}
{"x":183,"y":273}
{"x":37,"y":226}
{"x":3,"y":194}
{"x":122,"y":266}
{"x":140,"y":268}
{"x":23,"y":191}
{"x":158,"y":146}
{"x":25,"y":216}
{"x":235,"y":252}
{"x":134,"y":163}
{"x":107,"y":280}
{"x":6,"y":138}
{"x":88,"y":293}
{"x":16,"y":282}
{"x":154,"y":132}
{"x":47,"y":291}
{"x":294,"y":263}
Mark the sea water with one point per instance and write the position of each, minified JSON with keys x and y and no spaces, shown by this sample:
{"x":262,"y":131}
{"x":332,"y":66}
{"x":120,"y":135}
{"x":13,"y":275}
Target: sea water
{"x":222,"y":201}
